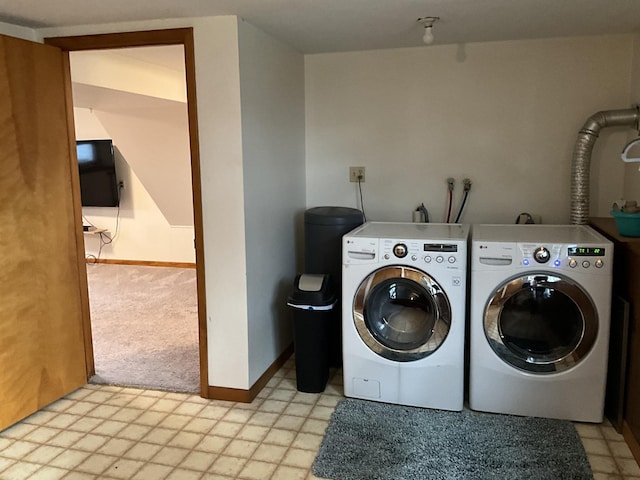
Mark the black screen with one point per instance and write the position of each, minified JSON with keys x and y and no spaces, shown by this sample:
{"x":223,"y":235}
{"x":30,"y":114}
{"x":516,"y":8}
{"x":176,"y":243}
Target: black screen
{"x":98,"y":183}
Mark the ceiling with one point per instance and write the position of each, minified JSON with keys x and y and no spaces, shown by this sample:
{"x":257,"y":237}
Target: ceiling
{"x":314,"y":26}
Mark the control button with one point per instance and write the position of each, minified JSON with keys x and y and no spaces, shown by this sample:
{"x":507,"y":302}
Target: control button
{"x":451,"y":259}
{"x":427,"y":259}
{"x":586,"y":263}
{"x":525,"y":262}
{"x":599,"y":263}
{"x":557,"y":262}
{"x":541,"y":255}
{"x":573,"y":263}
{"x":439,"y":259}
{"x":414,"y":257}
{"x":386,"y":256}
{"x":400,"y":250}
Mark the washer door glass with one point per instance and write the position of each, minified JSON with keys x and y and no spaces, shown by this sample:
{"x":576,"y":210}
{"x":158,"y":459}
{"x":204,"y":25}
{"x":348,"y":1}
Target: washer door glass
{"x":541,"y":323}
{"x":401,"y":313}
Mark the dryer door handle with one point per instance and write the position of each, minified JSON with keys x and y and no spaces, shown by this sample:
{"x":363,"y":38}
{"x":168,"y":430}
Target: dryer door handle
{"x":496,"y":261}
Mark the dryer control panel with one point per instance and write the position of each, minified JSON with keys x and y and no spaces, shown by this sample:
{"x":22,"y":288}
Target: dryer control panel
{"x":573,"y":257}
{"x":570,"y":257}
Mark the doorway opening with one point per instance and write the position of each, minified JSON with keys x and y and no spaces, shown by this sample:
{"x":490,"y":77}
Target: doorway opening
{"x":93,"y":100}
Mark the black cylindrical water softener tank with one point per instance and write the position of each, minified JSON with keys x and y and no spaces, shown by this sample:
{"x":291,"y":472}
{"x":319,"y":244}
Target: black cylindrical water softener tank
{"x":323,"y":231}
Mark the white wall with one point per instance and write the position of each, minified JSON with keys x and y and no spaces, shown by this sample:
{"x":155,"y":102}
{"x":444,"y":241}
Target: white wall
{"x":116,"y":70}
{"x":155,"y":143}
{"x":632,"y":170}
{"x":272,"y":93}
{"x":220,"y":131}
{"x":143,"y":232}
{"x":504,"y":114}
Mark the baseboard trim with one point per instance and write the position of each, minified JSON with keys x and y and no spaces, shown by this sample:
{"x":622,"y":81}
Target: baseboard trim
{"x":247,"y":396}
{"x":632,"y":441}
{"x":145,"y":263}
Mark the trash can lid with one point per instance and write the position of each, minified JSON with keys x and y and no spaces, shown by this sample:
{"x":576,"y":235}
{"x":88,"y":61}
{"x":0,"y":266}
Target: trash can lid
{"x":310,"y":282}
{"x":333,"y":216}
{"x":315,"y":290}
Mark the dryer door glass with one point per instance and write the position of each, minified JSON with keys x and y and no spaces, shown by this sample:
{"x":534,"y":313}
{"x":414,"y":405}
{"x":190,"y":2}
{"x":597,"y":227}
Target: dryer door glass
{"x":401,"y":313}
{"x":541,"y":323}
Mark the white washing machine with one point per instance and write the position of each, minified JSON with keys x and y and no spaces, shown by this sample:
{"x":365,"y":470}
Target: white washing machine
{"x":540,"y":315}
{"x":403,"y":321}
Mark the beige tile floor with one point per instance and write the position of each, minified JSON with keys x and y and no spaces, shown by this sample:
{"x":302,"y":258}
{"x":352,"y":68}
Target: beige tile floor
{"x":105,"y":432}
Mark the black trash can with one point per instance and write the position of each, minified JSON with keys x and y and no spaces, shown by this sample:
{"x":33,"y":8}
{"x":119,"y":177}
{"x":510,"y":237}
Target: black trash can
{"x":323,"y":231}
{"x":312,"y":300}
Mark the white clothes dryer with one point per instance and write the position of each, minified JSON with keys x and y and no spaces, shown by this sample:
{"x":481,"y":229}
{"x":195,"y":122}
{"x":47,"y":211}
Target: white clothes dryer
{"x":403,"y":321}
{"x":540,"y":316}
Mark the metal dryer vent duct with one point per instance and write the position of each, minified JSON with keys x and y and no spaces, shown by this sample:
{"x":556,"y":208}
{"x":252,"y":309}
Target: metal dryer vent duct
{"x":581,"y":161}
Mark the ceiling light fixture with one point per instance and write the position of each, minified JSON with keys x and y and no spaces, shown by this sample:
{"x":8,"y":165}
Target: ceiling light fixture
{"x":427,"y":23}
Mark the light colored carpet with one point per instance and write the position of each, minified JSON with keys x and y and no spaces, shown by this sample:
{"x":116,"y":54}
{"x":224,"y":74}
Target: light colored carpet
{"x":378,"y":441}
{"x":145,"y":326}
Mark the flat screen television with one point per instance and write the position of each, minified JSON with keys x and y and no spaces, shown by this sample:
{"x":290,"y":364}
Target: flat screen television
{"x":98,"y":183}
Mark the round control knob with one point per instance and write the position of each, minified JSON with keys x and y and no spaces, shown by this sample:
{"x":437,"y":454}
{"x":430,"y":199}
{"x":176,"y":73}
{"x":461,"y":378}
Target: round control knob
{"x":586,"y":264}
{"x":427,"y":259}
{"x":599,"y":263}
{"x":414,"y":257}
{"x":451,"y":259}
{"x":573,"y":263}
{"x":439,"y":259}
{"x":387,"y":256}
{"x":541,"y":255}
{"x":400,"y":250}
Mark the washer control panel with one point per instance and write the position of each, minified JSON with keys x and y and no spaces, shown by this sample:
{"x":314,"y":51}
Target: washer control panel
{"x":418,"y":253}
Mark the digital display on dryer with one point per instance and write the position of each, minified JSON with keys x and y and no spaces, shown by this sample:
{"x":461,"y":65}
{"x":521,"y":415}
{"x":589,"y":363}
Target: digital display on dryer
{"x":586,"y":252}
{"x":440,"y":247}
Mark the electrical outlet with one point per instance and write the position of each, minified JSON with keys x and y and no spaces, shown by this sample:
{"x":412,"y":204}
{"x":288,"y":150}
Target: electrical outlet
{"x":356,"y":174}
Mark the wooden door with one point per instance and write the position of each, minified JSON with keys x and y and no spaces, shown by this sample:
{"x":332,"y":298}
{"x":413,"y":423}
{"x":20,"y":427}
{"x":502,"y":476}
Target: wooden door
{"x":42,"y":288}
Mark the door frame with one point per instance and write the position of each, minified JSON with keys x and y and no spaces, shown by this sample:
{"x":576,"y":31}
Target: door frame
{"x":176,"y":36}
